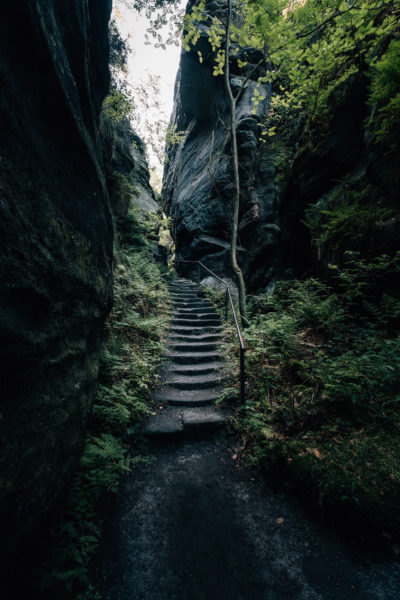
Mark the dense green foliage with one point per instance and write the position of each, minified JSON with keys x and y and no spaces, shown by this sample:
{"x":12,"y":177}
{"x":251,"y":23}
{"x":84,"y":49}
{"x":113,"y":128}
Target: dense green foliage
{"x":130,"y":358}
{"x":317,"y":46}
{"x":323,"y":393}
{"x":385,"y":89}
{"x":310,"y":49}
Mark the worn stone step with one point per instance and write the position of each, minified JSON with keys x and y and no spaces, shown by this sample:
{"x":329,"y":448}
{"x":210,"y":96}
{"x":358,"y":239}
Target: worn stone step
{"x":174,"y":423}
{"x":197,"y":422}
{"x":196,"y":315}
{"x":189,"y":358}
{"x":192,"y":305}
{"x":183,"y":282}
{"x":198,"y":322}
{"x":178,"y":397}
{"x":194,"y":369}
{"x":187,"y":299}
{"x":195,"y":330}
{"x":186,"y":293}
{"x":184,"y":288}
{"x":164,"y":425}
{"x":194,"y":382}
{"x":189,"y":346}
{"x":196,"y":310}
{"x":207,"y":337}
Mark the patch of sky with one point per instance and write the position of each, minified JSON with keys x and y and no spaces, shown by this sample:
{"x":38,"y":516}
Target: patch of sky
{"x":152,"y":67}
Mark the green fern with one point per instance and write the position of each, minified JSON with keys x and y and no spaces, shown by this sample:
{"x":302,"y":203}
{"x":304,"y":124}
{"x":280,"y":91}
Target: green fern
{"x":385,"y":89}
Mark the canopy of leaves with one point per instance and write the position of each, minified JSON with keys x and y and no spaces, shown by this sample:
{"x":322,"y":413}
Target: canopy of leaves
{"x":311,"y":48}
{"x":119,"y":48}
{"x":316,"y":46}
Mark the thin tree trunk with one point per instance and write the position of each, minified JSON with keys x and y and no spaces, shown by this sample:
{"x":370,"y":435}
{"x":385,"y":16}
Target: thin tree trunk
{"x":235,"y":168}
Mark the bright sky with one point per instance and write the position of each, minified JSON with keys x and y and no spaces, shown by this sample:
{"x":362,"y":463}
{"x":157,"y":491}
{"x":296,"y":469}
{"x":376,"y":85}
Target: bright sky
{"x":148,"y":60}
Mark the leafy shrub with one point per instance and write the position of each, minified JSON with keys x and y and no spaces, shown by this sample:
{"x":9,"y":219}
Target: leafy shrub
{"x":385,"y":89}
{"x":323,"y":401}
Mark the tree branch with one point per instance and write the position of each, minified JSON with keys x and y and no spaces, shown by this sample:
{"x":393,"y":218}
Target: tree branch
{"x":253,"y":70}
{"x":337,"y":13}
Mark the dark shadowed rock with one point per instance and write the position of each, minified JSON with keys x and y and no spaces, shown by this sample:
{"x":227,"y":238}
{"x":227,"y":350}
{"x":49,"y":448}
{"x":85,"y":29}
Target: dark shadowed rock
{"x":197,"y":186}
{"x":128,"y":176}
{"x":56,"y":248}
{"x":272,"y":236}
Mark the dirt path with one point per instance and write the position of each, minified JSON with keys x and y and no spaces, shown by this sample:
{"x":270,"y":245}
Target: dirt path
{"x":192,"y":526}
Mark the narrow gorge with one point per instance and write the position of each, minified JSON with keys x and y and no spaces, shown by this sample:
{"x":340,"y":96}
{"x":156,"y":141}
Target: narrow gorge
{"x":133,"y":465}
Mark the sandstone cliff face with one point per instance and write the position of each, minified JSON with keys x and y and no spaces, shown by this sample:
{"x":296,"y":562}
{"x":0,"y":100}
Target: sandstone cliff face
{"x":56,"y":248}
{"x":279,"y":178}
{"x":127,"y":171}
{"x":339,"y":163}
{"x":197,"y":185}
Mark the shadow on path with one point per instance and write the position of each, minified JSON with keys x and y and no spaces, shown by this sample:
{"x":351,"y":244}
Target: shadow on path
{"x":192,"y":526}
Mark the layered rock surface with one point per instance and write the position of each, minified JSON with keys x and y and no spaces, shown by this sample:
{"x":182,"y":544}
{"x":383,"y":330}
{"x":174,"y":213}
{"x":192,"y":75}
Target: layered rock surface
{"x":127,"y":171}
{"x":56,"y":248}
{"x":279,"y":178}
{"x":340,"y":161}
{"x":197,"y":185}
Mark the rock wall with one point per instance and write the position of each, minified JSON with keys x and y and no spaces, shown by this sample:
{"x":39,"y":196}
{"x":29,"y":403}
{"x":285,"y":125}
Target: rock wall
{"x":127,"y":171}
{"x":279,"y":178}
{"x":56,"y":248}
{"x":197,"y":183}
{"x":339,"y":163}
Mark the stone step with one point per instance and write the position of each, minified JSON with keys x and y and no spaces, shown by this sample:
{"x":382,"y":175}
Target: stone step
{"x":184,"y":282}
{"x":182,"y":298}
{"x":195,"y":330}
{"x":177,"y":423}
{"x":191,"y":346}
{"x":207,"y":337}
{"x":184,"y":291}
{"x":185,"y":295}
{"x":184,"y":288}
{"x":196,"y":315}
{"x":192,"y":305}
{"x":196,"y":310}
{"x":199,"y":322}
{"x":197,"y":422}
{"x":164,"y":426}
{"x":177,"y":397}
{"x":190,"y":358}
{"x":196,"y":382}
{"x":195,"y":369}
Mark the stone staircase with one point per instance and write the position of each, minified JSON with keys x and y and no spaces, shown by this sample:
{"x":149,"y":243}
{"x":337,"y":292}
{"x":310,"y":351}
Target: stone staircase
{"x":193,"y":377}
